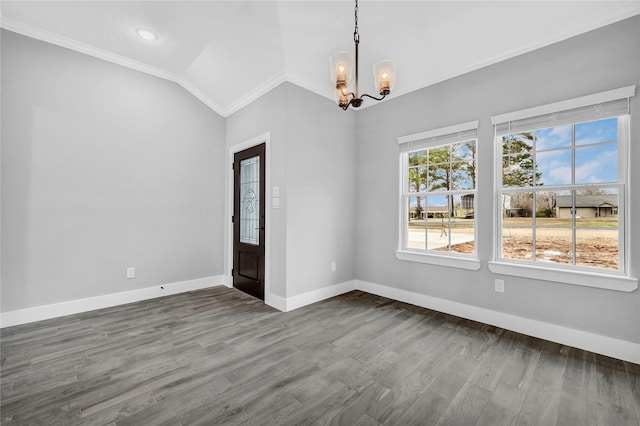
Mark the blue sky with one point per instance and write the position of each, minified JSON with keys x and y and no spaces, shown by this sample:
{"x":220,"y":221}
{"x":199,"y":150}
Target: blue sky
{"x":594,"y":163}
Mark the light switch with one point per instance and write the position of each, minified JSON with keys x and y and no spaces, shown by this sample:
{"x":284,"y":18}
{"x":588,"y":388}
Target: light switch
{"x":276,"y":203}
{"x":276,"y":191}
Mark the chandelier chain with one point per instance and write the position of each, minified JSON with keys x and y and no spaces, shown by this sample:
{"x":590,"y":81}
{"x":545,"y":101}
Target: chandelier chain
{"x":356,"y":36}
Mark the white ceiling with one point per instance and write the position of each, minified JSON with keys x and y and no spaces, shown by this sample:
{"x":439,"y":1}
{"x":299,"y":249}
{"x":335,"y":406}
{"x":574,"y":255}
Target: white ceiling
{"x":228,"y":53}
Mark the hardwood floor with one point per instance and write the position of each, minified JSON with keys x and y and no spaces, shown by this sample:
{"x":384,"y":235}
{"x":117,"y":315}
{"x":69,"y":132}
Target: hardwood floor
{"x":218,"y":356}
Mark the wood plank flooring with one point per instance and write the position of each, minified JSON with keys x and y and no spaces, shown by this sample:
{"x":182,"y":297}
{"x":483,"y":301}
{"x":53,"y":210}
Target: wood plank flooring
{"x":218,"y":356}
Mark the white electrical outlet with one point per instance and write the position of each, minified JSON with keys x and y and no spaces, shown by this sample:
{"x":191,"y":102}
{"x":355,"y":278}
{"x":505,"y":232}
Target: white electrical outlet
{"x":131,"y":273}
{"x":333,"y":266}
{"x":499,"y":286}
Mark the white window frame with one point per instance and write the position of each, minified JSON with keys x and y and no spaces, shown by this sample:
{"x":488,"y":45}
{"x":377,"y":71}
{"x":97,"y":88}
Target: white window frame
{"x":619,"y":280}
{"x":451,"y":134}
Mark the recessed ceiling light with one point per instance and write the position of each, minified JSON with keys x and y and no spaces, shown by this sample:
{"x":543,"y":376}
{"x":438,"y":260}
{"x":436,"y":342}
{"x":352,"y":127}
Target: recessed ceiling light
{"x":146,"y":34}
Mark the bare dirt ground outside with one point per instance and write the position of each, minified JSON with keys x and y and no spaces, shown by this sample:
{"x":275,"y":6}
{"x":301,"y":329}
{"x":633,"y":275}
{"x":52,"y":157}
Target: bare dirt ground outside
{"x":594,"y":247}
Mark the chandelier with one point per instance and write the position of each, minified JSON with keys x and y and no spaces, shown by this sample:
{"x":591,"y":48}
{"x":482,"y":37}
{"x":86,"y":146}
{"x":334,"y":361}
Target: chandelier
{"x":341,"y":66}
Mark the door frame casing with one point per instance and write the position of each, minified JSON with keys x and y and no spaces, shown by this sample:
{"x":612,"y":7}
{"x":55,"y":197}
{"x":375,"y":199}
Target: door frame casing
{"x":265,"y":139}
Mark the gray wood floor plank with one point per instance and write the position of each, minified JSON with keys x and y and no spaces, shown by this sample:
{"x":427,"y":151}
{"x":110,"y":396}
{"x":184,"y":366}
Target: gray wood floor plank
{"x":542,"y":402}
{"x":490,"y":368}
{"x":156,"y":415}
{"x":615,"y":397}
{"x":96,"y":415}
{"x":579,"y":397}
{"x":367,"y":420}
{"x":324,"y":408}
{"x":349,"y":412}
{"x":425,"y":410}
{"x":633,"y":378}
{"x":393,"y":405}
{"x":520,"y":367}
{"x":504,"y":406}
{"x":218,"y":356}
{"x":466,"y":407}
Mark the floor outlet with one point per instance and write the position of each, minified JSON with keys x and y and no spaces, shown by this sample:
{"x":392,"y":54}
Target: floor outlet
{"x":333,"y":266}
{"x":499,"y":286}
{"x":131,"y":273}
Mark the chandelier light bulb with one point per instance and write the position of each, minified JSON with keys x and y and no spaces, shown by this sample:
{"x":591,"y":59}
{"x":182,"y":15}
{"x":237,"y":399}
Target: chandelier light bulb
{"x":384,"y":73}
{"x":340,"y":67}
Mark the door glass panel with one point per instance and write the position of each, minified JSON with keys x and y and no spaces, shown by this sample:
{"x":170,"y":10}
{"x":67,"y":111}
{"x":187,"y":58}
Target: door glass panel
{"x":249,"y":201}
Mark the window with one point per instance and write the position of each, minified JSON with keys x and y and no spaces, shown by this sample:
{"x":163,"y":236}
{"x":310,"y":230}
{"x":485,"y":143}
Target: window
{"x":561,"y":184}
{"x":438,"y":194}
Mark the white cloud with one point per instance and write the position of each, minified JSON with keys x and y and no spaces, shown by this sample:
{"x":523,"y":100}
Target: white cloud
{"x":553,"y":138}
{"x":596,"y":169}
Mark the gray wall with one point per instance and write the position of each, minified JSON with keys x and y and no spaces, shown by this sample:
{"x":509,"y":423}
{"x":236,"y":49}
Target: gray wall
{"x":103,"y":168}
{"x":313,"y":162}
{"x":321,"y":187}
{"x":600,"y":60}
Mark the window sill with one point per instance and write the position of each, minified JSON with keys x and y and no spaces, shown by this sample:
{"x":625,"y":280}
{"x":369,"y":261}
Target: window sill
{"x":581,"y":278}
{"x":440,"y":260}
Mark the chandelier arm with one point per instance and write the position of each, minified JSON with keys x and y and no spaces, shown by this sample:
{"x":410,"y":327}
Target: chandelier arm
{"x":372,"y":97}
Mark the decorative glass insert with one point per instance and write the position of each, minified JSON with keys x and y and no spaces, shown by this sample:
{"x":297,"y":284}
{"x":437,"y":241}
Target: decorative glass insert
{"x":249,"y":201}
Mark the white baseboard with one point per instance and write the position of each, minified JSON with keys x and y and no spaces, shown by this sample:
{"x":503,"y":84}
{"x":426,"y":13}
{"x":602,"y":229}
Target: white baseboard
{"x":304,"y":299}
{"x":226,"y":280}
{"x":616,"y":348}
{"x":39,"y":313}
{"x":280,"y":303}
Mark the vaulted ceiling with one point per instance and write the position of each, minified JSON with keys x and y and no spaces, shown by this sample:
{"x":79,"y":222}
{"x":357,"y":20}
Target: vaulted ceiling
{"x":228,"y":53}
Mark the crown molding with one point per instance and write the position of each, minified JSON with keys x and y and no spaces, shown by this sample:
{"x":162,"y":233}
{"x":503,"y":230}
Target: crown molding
{"x":255,"y":93}
{"x":87,"y":49}
{"x":191,"y":88}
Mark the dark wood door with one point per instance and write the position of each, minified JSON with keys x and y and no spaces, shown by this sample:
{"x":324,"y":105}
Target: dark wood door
{"x":248,"y":220}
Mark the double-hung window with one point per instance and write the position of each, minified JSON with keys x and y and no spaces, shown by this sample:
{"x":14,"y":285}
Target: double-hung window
{"x":561,"y":179}
{"x":438,"y":196}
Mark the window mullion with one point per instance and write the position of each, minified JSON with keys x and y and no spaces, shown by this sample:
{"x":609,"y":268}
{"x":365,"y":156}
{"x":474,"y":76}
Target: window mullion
{"x":574,"y":223}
